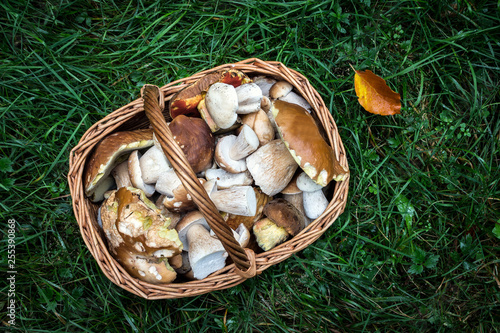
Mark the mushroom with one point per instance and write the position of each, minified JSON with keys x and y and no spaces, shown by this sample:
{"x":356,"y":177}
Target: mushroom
{"x":233,"y":220}
{"x":139,"y":236}
{"x":249,"y":98}
{"x":282,"y":90}
{"x":176,"y":199}
{"x":293,"y":195}
{"x":241,"y":234}
{"x":222,"y":102}
{"x":206,"y":253}
{"x":231,"y":150}
{"x":302,"y":137}
{"x":152,"y":164}
{"x":314,"y":200}
{"x":272,"y":167}
{"x":226,"y":179}
{"x":265,"y":83}
{"x":121,"y":176}
{"x":282,"y":220}
{"x":186,"y":101}
{"x":195,"y":139}
{"x":135,"y":173}
{"x":261,"y":125}
{"x":238,"y":200}
{"x":107,"y":155}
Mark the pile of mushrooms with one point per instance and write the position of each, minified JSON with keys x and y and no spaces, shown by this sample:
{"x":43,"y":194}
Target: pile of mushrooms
{"x":256,"y":149}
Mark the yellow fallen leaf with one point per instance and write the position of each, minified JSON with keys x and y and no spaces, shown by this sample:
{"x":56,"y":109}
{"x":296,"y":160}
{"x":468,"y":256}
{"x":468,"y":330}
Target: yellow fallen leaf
{"x":374,"y":94}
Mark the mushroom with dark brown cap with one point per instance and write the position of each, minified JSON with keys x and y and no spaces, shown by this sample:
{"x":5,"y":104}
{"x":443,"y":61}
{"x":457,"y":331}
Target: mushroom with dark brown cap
{"x":139,"y":236}
{"x":302,"y":137}
{"x":272,"y":167}
{"x":206,"y":253}
{"x":282,"y":220}
{"x":293,"y":194}
{"x":195,"y":139}
{"x":107,"y":155}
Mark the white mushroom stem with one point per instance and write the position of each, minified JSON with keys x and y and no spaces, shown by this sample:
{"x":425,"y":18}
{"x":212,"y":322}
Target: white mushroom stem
{"x":249,"y":97}
{"x":167,"y":182}
{"x":272,"y":167}
{"x":238,"y":200}
{"x":134,"y":171}
{"x":241,"y":235}
{"x":315,"y":203}
{"x":121,"y":176}
{"x":294,"y":98}
{"x":222,"y":102}
{"x":306,"y":184}
{"x":226,"y":179}
{"x":222,"y":157}
{"x":206,"y":253}
{"x":153,"y":163}
{"x":245,"y":144}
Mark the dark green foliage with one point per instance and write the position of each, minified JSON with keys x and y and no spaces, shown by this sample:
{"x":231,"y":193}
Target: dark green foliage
{"x":417,"y":248}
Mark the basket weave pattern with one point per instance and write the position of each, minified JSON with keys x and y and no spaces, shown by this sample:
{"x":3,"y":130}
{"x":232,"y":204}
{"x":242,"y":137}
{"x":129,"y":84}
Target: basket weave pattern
{"x":150,"y":111}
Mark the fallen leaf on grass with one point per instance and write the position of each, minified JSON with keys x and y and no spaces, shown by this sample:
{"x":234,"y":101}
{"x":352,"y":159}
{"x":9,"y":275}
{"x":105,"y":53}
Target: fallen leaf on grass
{"x":374,"y":94}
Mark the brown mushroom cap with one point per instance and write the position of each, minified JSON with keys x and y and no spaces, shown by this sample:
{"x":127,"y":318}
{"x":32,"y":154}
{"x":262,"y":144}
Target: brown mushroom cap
{"x":185,"y":102}
{"x":285,"y":215}
{"x":106,"y":155}
{"x":139,"y":236}
{"x":195,"y":139}
{"x":302,"y":137}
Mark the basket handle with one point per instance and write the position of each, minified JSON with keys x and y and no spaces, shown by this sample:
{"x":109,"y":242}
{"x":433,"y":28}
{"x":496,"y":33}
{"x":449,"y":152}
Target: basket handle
{"x":245,"y":262}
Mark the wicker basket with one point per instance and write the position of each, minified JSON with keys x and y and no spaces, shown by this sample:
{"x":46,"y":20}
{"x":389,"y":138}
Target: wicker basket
{"x":150,"y":111}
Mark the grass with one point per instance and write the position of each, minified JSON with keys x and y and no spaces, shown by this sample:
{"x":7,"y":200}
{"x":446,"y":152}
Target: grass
{"x":414,"y":250}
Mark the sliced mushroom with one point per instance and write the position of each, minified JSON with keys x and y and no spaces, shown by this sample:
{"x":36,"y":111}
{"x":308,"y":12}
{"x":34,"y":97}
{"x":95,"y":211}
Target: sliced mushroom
{"x":226,"y":179}
{"x":272,"y":167}
{"x":238,"y":200}
{"x":206,"y":253}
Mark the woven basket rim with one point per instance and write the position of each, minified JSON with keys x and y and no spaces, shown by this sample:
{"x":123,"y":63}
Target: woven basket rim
{"x":85,"y":212}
